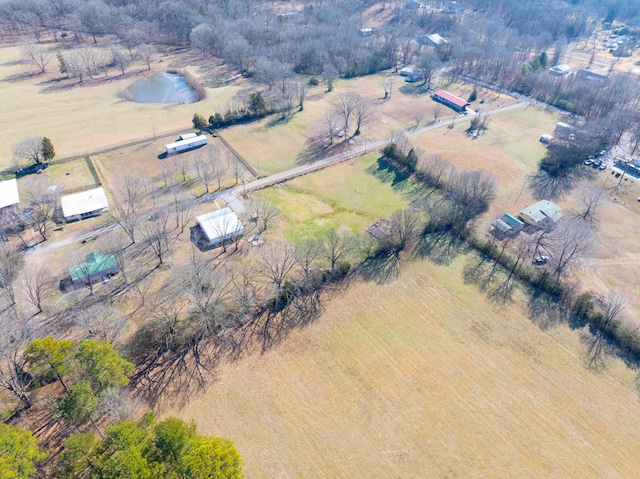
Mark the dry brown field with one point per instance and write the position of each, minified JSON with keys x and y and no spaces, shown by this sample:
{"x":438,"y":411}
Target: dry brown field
{"x":424,"y":377}
{"x":80,"y":118}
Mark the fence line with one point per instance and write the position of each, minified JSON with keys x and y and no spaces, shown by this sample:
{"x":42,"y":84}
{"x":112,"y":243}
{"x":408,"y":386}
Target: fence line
{"x":80,"y":188}
{"x":123,"y":145}
{"x":249,"y":168}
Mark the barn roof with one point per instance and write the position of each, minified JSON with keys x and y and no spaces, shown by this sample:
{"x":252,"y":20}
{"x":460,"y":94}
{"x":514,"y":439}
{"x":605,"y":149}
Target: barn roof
{"x":451,"y":98}
{"x":220,"y":225}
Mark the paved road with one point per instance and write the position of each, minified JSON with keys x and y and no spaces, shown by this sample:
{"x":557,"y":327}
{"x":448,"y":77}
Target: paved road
{"x":232,"y":195}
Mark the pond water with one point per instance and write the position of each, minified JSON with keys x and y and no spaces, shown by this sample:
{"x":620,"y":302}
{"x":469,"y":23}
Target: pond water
{"x":162,"y":87}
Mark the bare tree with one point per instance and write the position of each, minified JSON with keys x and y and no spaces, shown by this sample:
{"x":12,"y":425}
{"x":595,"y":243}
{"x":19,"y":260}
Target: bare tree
{"x":146,"y":53}
{"x":236,"y":166}
{"x":156,"y":235}
{"x":42,"y":204}
{"x":363,"y":113}
{"x":330,"y":126}
{"x":102,"y":321}
{"x":36,"y":283}
{"x":127,"y":204}
{"x":11,"y":262}
{"x":405,"y":227}
{"x":335,"y":247}
{"x":302,"y":90}
{"x":436,"y":109}
{"x":612,"y":308}
{"x":418,"y":116}
{"x":16,"y":334}
{"x":181,"y":165}
{"x":569,"y":243}
{"x":263,"y":211}
{"x":36,"y":55}
{"x":590,"y":201}
{"x":121,"y":58}
{"x":29,"y":149}
{"x":344,"y":105}
{"x":204,"y":171}
{"x":387,"y":85}
{"x":182,"y":208}
{"x":246,"y":292}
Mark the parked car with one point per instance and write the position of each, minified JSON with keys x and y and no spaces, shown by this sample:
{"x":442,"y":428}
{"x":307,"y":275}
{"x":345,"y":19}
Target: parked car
{"x":588,"y":161}
{"x":35,"y":168}
{"x":541,"y":260}
{"x":602,"y":167}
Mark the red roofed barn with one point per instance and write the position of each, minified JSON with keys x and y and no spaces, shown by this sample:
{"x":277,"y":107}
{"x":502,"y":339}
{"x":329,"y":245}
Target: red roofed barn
{"x":452,"y":101}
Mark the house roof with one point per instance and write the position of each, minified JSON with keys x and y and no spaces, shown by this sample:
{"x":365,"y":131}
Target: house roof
{"x":84,"y":202}
{"x":456,"y":100}
{"x":501,"y":226}
{"x":436,"y":39}
{"x":218,"y":224}
{"x":589,"y":75}
{"x":512,"y":221}
{"x":9,"y":193}
{"x":94,"y":263}
{"x":541,"y":210}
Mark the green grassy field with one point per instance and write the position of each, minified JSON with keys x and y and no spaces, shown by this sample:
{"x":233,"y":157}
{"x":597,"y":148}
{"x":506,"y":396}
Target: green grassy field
{"x":351,"y":195}
{"x":424,"y":377}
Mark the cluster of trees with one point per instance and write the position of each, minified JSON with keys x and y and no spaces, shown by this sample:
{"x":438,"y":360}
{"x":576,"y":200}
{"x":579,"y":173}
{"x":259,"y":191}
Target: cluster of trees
{"x":142,"y":449}
{"x":34,"y":150}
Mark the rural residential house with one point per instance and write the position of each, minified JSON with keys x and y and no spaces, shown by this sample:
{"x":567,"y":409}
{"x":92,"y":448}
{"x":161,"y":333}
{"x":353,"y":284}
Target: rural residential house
{"x":220,"y":226}
{"x":560,"y":70}
{"x":508,"y":225}
{"x":433,"y":40}
{"x":541,"y":214}
{"x":9,"y":197}
{"x":592,"y":78}
{"x":96,"y":267}
{"x":85,"y":204}
{"x":450,"y":100}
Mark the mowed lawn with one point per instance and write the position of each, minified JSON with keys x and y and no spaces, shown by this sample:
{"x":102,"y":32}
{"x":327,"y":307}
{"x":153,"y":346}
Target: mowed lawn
{"x":348,"y":196}
{"x":423,"y":377}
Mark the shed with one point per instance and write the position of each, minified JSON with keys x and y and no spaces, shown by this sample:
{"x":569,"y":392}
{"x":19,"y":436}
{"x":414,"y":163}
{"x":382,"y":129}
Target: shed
{"x":366,"y":32}
{"x":541,"y":213}
{"x":187,"y":136}
{"x":564,"y":130}
{"x":450,"y":100}
{"x":513,"y":222}
{"x":592,"y":77}
{"x":9,"y":193}
{"x":220,"y":226}
{"x":546,"y":138}
{"x":97,"y":266}
{"x":85,"y":204}
{"x":560,"y":70}
{"x":434,"y":40}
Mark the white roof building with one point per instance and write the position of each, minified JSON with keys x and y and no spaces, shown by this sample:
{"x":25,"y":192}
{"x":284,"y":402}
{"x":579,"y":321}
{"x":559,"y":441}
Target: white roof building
{"x":9,"y":193}
{"x":220,"y":225}
{"x":84,"y":204}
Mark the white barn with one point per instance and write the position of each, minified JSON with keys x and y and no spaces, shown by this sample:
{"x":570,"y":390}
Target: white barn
{"x":220,"y":226}
{"x":186,"y":144}
{"x":85,"y":204}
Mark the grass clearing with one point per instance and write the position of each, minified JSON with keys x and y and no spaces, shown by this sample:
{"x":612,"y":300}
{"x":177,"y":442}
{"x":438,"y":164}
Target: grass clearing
{"x":84,"y":118}
{"x":72,"y":174}
{"x":424,"y":377}
{"x":349,"y":195}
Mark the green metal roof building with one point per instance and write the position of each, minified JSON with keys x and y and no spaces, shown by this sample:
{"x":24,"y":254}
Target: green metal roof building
{"x":96,"y":266}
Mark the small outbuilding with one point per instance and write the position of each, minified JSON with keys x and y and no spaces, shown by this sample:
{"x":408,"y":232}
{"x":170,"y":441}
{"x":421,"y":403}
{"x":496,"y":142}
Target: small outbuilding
{"x":85,"y":204}
{"x":220,"y":226}
{"x":560,"y":70}
{"x":546,"y":138}
{"x":433,"y":40}
{"x":564,"y":130}
{"x":96,"y":267}
{"x":366,"y":32}
{"x":186,"y":144}
{"x":454,"y":102}
{"x":592,"y":77}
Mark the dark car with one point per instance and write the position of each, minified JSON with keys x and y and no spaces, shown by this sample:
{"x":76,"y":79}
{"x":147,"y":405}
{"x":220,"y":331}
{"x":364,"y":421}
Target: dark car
{"x":29,"y":170}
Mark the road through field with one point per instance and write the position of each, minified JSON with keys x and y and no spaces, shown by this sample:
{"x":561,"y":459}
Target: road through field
{"x":231,"y":195}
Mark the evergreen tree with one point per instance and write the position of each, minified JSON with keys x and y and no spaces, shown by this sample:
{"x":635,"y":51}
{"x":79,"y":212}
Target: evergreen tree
{"x":199,"y":123}
{"x":19,"y":453}
{"x":48,"y":151}
{"x":62,"y":64}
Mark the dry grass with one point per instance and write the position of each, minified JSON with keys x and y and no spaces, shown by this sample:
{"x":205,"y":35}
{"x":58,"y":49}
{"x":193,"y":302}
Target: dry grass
{"x":83,"y":118}
{"x":424,"y":378}
{"x":73,"y":174}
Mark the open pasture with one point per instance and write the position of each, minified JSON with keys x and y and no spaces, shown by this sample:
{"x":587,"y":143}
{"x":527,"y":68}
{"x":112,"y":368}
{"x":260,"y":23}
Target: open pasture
{"x":423,"y":377}
{"x":350,"y":195}
{"x":80,"y":118}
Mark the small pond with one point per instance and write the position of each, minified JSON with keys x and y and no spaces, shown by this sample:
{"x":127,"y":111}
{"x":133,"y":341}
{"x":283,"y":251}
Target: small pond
{"x":162,"y":87}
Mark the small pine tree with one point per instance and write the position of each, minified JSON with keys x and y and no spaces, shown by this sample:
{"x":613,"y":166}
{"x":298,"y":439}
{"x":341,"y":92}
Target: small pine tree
{"x":199,"y":123}
{"x":474,"y":95}
{"x":47,"y":149}
{"x":257,"y":105}
{"x":62,"y":64}
{"x":544,"y":59}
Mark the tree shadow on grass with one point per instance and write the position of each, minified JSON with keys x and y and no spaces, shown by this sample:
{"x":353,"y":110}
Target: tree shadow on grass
{"x":382,"y":267}
{"x":385,"y":172}
{"x":441,"y":247}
